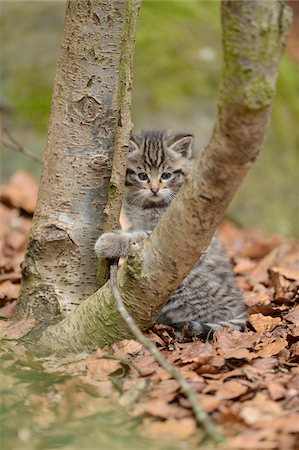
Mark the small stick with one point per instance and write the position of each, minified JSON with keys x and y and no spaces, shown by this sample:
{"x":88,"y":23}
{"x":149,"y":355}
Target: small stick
{"x":12,"y":144}
{"x":201,"y":416}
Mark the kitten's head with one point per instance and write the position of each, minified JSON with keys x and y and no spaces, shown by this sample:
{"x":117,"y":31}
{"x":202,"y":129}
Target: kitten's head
{"x":157,"y":164}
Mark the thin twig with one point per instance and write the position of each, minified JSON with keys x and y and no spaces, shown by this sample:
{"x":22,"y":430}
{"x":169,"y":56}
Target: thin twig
{"x":201,"y":416}
{"x":10,"y":142}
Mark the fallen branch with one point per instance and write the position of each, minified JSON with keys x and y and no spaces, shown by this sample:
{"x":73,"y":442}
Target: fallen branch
{"x":8,"y":141}
{"x":200,"y":414}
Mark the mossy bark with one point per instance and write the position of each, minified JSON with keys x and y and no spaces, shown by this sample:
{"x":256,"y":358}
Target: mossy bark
{"x":124,"y":128}
{"x":254,"y":34}
{"x":89,"y":119}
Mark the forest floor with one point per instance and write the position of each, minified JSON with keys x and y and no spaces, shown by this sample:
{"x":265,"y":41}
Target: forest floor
{"x":248,"y":382}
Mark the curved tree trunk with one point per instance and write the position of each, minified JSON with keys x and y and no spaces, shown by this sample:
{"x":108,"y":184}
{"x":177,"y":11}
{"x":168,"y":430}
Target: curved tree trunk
{"x":89,"y":119}
{"x":254,"y":35}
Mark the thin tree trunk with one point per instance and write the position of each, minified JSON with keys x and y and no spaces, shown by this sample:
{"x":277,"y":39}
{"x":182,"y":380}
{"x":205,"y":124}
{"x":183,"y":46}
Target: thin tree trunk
{"x":254,"y":35}
{"x":89,"y":118}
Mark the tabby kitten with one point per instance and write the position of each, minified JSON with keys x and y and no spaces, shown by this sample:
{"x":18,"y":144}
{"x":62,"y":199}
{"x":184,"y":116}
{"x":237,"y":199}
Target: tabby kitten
{"x":208,"y":298}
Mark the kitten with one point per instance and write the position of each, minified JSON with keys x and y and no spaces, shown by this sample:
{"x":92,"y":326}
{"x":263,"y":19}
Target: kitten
{"x":208,"y":298}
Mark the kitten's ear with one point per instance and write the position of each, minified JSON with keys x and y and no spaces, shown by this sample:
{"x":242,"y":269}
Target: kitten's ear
{"x":133,"y":146}
{"x":182,"y":146}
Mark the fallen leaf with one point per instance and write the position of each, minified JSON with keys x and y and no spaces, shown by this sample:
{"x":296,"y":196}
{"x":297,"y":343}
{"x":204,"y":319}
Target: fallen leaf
{"x":244,"y":265}
{"x":126,"y":346}
{"x":160,"y":408}
{"x":8,"y":309}
{"x":166,"y":389}
{"x":234,"y":344}
{"x":286,"y":272}
{"x":171,"y":428}
{"x":252,"y":298}
{"x":100,"y":369}
{"x":272,"y":348}
{"x":260,"y":411}
{"x":147,"y":365}
{"x":209,"y":402}
{"x":199,"y":352}
{"x":15,"y":330}
{"x":277,"y":391}
{"x":288,"y":423}
{"x":293,"y":316}
{"x":9,"y":290}
{"x":231,"y":389}
{"x":266,"y":364}
{"x":284,"y":289}
{"x":263,"y":323}
{"x":21,"y":192}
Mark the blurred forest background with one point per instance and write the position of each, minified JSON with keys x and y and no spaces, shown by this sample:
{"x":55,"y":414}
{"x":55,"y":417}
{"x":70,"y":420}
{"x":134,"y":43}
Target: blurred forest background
{"x":176,"y":78}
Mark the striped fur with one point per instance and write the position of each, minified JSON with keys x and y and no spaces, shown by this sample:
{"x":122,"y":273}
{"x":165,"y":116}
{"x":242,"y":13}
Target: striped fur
{"x":208,"y":298}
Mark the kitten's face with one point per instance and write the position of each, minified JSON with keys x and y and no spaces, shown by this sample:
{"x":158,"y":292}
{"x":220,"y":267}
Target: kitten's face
{"x":157,"y":165}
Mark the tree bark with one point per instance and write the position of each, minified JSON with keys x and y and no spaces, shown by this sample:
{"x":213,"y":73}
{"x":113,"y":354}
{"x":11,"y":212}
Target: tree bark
{"x":89,"y":118}
{"x":254,"y":34}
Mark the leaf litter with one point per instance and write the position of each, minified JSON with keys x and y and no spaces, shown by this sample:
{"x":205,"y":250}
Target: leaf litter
{"x":247,"y":381}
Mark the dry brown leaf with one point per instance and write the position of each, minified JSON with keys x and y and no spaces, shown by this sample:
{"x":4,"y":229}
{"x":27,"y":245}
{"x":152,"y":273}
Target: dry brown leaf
{"x":18,"y":234}
{"x":103,"y":389}
{"x":209,"y":402}
{"x":257,"y":298}
{"x":258,"y":246}
{"x":244,"y":265}
{"x":15,"y":330}
{"x":288,"y":423}
{"x":8,"y":309}
{"x":100,"y":369}
{"x":266,"y":364}
{"x":21,"y":192}
{"x":266,"y":310}
{"x":199,"y":352}
{"x":7,"y":214}
{"x":171,"y":428}
{"x":126,"y":346}
{"x":263,"y":323}
{"x":166,"y":389}
{"x":160,"y":408}
{"x":260,"y":411}
{"x":293,"y":316}
{"x":192,"y":376}
{"x":290,"y":274}
{"x":260,"y":273}
{"x":277,"y":391}
{"x":231,"y":389}
{"x":272,"y":348}
{"x":234,"y":344}
{"x":147,"y":365}
{"x":295,"y":349}
{"x":9,"y":290}
{"x":284,"y":289}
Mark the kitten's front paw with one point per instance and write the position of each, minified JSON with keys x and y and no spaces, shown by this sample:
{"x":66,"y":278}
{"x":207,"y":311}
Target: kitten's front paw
{"x":110,"y":245}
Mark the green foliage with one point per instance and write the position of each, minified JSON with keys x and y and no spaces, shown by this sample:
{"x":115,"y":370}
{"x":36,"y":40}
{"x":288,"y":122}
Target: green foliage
{"x":168,"y":68}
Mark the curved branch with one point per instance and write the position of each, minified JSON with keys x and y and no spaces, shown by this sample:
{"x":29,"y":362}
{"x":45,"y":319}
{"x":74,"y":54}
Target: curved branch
{"x":254,"y":34}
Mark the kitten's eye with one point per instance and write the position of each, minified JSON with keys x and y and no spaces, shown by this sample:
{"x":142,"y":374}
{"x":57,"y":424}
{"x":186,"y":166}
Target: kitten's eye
{"x":142,"y":176}
{"x":165,"y":175}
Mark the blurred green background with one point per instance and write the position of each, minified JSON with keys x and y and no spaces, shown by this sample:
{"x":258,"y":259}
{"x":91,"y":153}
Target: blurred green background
{"x":177,"y":73}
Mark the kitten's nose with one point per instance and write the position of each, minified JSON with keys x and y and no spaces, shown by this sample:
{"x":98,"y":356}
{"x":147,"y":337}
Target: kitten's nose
{"x":155,"y":190}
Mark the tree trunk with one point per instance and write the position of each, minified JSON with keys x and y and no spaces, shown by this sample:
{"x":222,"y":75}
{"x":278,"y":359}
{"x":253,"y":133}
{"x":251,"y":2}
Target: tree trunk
{"x":90,"y":119}
{"x":254,"y":34}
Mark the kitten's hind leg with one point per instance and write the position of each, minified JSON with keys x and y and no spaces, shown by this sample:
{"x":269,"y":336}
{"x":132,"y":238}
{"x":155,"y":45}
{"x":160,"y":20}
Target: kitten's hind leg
{"x":191,"y":329}
{"x":117,"y":244}
{"x":205,"y":330}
